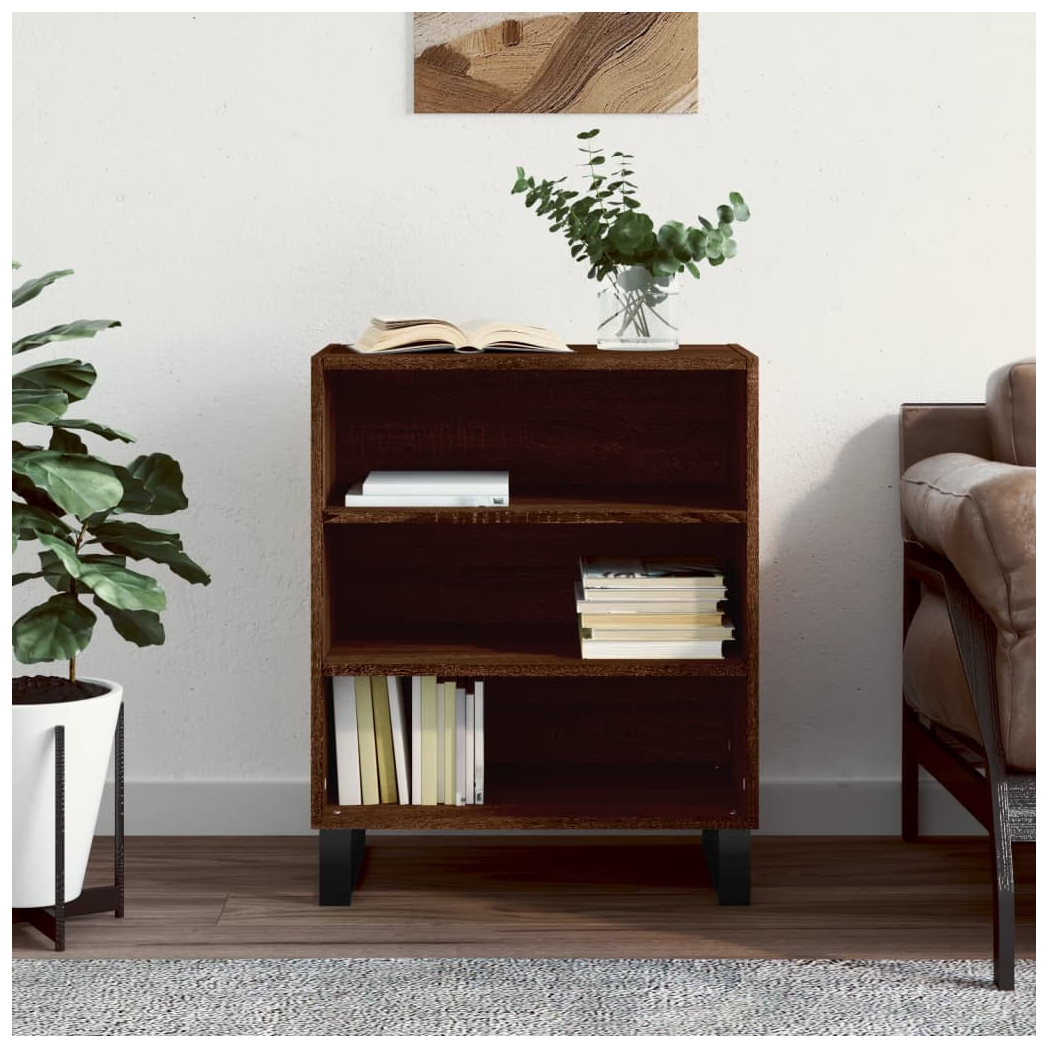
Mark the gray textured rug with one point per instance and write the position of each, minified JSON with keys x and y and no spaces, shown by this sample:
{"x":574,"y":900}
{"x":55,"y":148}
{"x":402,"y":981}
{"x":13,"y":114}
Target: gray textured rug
{"x":493,"y":996}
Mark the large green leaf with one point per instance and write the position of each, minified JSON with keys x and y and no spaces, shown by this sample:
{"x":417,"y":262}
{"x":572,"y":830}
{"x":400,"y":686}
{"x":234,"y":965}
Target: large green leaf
{"x":62,"y":333}
{"x":73,"y":377}
{"x":65,"y":552}
{"x":53,"y":573}
{"x":37,"y":405}
{"x":141,"y":543}
{"x":140,"y":627}
{"x":67,"y":441}
{"x":107,"y":432}
{"x":79,"y":484}
{"x":152,"y":485}
{"x":57,"y":629}
{"x":29,"y":521}
{"x":27,"y":490}
{"x":32,"y":288}
{"x":121,"y":587}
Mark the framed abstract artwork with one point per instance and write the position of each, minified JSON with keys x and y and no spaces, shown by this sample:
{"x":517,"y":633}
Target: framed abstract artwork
{"x":590,"y":62}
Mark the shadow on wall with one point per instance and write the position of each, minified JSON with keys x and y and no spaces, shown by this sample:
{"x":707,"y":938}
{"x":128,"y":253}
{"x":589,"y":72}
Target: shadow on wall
{"x":831,"y":636}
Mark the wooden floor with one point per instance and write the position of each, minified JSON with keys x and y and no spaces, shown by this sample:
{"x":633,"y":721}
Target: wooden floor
{"x":552,"y":896}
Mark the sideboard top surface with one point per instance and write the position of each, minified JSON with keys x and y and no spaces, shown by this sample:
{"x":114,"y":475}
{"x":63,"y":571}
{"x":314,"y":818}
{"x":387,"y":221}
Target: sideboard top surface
{"x":337,"y":357}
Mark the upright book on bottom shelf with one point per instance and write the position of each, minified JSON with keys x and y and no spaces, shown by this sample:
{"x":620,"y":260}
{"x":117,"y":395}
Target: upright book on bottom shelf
{"x":426,"y":751}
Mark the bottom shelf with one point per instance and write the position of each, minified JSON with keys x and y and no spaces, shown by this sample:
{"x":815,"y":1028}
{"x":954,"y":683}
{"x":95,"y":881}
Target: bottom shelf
{"x":679,"y":795}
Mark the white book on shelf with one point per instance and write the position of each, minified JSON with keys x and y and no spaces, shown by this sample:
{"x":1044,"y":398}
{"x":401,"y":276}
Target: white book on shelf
{"x":401,"y":749}
{"x":435,"y":482}
{"x":347,"y":756}
{"x":440,"y":742}
{"x":470,"y":748}
{"x":652,"y":649}
{"x":478,"y":742}
{"x":367,"y":747}
{"x":448,"y":741}
{"x":429,"y":740}
{"x":460,"y":745}
{"x":355,"y":497}
{"x":416,"y":740}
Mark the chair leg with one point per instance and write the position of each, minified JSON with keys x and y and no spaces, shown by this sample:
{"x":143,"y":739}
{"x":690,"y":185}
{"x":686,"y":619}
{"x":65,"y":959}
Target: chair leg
{"x":909,"y":775}
{"x":1003,"y":893}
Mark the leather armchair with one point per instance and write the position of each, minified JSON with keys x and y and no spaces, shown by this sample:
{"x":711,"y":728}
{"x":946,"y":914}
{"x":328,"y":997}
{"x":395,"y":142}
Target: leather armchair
{"x":968,"y":496}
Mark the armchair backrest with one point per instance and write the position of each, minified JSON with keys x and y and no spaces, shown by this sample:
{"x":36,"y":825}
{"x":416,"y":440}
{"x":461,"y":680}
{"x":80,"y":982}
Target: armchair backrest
{"x":1011,"y":412}
{"x":1003,"y":429}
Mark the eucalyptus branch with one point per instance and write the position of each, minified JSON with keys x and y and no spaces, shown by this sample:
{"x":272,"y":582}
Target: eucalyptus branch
{"x":610,"y":238}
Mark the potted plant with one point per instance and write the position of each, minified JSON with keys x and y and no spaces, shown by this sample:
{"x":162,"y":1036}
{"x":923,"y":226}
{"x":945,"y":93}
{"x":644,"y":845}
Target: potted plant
{"x":608,"y":231}
{"x":76,"y":505}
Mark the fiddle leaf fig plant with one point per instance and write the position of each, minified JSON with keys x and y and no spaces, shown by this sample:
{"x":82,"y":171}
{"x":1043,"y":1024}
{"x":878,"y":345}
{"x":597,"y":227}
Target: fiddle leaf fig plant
{"x":76,"y":505}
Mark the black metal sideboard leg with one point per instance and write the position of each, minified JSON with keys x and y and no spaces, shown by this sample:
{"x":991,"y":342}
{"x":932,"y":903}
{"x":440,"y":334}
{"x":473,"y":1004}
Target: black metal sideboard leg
{"x":728,"y":857}
{"x":341,"y":856}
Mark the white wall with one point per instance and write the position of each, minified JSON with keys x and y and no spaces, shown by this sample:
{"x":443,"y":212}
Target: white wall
{"x":240,"y":190}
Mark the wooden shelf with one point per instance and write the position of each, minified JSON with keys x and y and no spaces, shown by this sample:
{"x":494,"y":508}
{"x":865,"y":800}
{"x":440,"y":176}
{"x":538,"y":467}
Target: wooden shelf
{"x":542,"y":796}
{"x":498,"y":651}
{"x":710,"y":505}
{"x":337,"y":357}
{"x":608,"y":454}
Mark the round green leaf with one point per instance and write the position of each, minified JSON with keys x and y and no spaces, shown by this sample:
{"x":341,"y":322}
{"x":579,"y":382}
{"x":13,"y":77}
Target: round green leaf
{"x":742,"y":211}
{"x":143,"y":628}
{"x":160,"y":477}
{"x":79,"y":484}
{"x":121,"y":587}
{"x":631,"y":233}
{"x":58,"y":629}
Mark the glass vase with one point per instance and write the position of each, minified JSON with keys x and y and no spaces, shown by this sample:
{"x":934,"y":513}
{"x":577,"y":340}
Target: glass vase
{"x":638,"y":311}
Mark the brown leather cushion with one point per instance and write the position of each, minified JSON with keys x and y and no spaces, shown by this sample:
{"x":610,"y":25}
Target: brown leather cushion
{"x":1011,"y":407}
{"x":982,"y":517}
{"x":934,"y":683}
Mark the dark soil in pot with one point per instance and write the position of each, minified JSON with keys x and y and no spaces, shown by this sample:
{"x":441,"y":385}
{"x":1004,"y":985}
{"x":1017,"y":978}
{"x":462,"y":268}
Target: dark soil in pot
{"x":35,"y":691}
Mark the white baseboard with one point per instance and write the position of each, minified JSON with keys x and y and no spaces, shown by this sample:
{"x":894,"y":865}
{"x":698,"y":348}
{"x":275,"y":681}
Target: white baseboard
{"x":791,"y":808}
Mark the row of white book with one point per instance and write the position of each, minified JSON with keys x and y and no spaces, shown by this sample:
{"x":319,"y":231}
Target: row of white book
{"x":652,"y":608}
{"x":408,"y":740}
{"x":397,"y":487}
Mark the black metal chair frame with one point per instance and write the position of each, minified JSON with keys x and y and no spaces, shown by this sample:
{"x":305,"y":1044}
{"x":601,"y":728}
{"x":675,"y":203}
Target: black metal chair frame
{"x":1003,"y":801}
{"x":51,"y":920}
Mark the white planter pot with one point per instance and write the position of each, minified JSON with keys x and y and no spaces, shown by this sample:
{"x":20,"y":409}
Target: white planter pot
{"x":89,"y":727}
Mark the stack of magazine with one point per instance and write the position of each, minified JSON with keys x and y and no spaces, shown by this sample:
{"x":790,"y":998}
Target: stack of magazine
{"x":397,"y":487}
{"x":654,"y":608}
{"x":408,"y":740}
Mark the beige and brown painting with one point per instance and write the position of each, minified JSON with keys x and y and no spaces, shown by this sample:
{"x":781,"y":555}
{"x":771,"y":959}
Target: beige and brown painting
{"x":594,"y":62}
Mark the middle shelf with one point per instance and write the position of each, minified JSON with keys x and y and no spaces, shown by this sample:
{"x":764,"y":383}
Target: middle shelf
{"x":499,"y":650}
{"x":648,"y":504}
